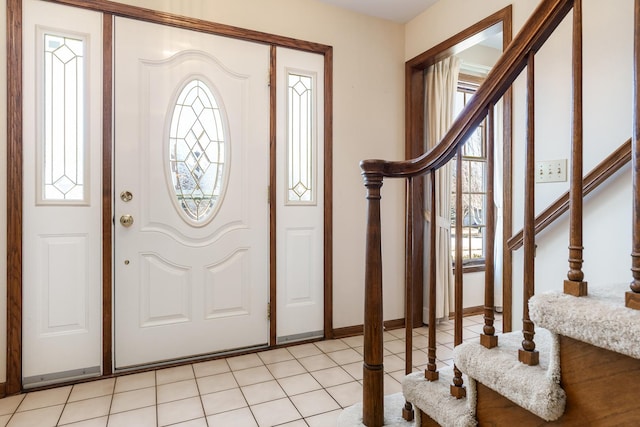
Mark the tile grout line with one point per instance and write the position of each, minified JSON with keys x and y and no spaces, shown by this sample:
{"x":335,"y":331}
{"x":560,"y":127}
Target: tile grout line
{"x":195,"y":378}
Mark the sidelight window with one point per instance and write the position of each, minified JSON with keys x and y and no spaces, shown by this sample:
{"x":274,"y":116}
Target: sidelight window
{"x":63,"y":149}
{"x":301,"y":140}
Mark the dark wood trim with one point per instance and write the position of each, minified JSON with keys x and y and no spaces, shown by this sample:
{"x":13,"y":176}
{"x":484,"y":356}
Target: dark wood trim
{"x":107,"y":193}
{"x":3,"y":390}
{"x":469,"y":311}
{"x":461,"y":41}
{"x":472,"y":311}
{"x":472,"y":268}
{"x":273,"y":302}
{"x":350,"y":331}
{"x":414,"y":140}
{"x":604,"y":170}
{"x":631,"y":297}
{"x":507,"y":190}
{"x":414,"y":136}
{"x":173,"y":20}
{"x":328,"y":193}
{"x":469,"y":81}
{"x":14,"y":197}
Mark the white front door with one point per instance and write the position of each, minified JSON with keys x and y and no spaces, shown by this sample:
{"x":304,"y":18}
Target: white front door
{"x":191,"y":210}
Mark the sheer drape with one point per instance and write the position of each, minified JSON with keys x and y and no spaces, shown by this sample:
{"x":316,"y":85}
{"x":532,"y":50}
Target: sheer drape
{"x":441,"y":82}
{"x":498,"y":184}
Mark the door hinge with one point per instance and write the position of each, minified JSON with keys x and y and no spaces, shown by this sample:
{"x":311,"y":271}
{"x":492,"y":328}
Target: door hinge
{"x":268,"y":311}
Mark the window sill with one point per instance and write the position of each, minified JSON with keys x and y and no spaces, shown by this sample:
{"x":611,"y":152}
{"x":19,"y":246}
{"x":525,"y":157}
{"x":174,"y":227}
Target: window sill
{"x":472,"y":267}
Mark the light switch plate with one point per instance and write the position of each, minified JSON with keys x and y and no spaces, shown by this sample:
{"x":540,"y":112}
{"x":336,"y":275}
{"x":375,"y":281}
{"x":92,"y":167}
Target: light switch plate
{"x":551,"y":171}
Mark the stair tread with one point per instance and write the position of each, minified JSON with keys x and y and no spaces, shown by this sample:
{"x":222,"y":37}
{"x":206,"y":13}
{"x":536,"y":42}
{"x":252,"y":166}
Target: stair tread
{"x":535,"y":388}
{"x":600,"y":318}
{"x":435,"y":400}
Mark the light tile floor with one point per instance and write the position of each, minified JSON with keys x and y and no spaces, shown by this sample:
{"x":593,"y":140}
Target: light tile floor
{"x":306,"y":385}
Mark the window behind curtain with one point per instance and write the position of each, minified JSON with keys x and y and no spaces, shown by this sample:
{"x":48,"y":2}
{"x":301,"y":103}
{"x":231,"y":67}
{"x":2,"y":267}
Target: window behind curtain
{"x":474,"y":169}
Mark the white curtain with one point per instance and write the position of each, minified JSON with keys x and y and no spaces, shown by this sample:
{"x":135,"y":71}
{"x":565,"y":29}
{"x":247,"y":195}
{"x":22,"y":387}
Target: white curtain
{"x":441,"y":82}
{"x":498,"y":185}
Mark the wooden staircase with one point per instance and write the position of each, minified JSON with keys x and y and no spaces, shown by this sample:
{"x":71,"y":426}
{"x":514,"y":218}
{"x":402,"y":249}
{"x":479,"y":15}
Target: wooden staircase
{"x":586,"y":381}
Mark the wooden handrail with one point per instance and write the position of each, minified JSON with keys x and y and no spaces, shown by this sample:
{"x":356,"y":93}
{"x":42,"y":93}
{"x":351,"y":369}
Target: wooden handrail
{"x":605,"y":169}
{"x":531,"y":37}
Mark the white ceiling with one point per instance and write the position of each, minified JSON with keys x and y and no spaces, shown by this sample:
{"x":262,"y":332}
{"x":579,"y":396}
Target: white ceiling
{"x":400,"y":11}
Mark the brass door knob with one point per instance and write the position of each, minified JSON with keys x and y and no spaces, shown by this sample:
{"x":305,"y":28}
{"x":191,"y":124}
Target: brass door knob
{"x":126,"y":220}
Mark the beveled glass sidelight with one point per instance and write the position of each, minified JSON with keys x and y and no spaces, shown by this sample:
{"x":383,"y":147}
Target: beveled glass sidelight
{"x":63,"y":141}
{"x":198,"y":152}
{"x":301,"y":161}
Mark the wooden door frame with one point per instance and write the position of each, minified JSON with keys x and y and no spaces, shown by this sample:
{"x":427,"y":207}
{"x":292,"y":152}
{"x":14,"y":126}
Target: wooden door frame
{"x":15,"y":171}
{"x":414,"y":140}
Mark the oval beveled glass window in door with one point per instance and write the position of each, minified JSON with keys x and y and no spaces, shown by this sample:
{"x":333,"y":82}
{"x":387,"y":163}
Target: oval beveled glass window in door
{"x":197,"y":152}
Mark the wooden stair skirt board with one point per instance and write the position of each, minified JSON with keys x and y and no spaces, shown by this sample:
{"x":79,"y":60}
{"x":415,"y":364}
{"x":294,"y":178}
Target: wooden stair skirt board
{"x":601,"y":387}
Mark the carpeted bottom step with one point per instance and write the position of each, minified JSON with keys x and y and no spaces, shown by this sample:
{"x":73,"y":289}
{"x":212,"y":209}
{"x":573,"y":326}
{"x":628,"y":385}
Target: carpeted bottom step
{"x":535,"y":388}
{"x":435,"y":400}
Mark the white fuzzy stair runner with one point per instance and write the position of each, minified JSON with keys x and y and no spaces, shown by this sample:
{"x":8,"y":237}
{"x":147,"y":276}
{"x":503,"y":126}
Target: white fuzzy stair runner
{"x":535,"y":388}
{"x":600,"y":318}
{"x":435,"y":400}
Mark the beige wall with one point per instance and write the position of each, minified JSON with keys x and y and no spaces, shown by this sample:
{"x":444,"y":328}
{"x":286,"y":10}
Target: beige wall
{"x":607,"y":118}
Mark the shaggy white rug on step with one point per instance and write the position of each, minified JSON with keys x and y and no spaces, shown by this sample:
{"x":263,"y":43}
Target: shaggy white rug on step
{"x":535,"y":388}
{"x":434,"y":398}
{"x":600,"y":318}
{"x":393,"y":404}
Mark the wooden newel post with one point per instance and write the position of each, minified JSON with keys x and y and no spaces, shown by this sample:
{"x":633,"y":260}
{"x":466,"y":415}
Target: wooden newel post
{"x":632,"y":297}
{"x":373,"y":378}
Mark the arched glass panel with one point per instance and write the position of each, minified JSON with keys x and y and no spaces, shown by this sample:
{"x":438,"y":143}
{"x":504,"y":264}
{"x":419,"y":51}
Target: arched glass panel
{"x":197,"y":151}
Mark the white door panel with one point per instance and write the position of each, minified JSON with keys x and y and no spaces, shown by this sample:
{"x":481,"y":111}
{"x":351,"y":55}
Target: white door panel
{"x":187,"y":285}
{"x":62,"y":222}
{"x":300,"y":191}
